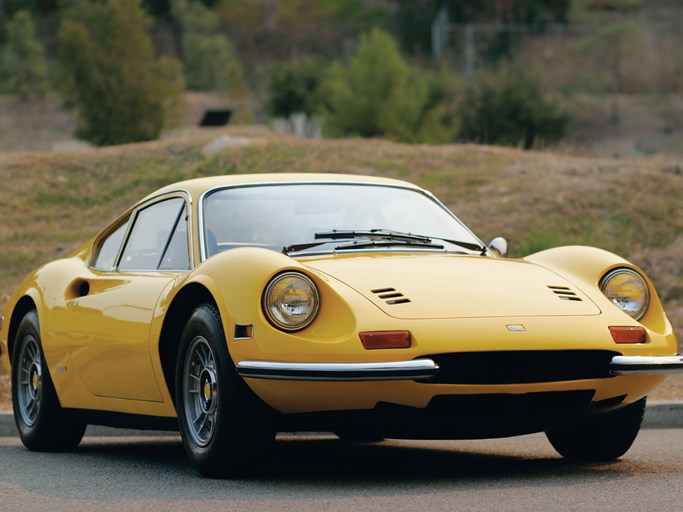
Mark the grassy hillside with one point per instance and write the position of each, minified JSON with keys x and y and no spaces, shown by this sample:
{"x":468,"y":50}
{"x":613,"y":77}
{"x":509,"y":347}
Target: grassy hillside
{"x":51,"y":202}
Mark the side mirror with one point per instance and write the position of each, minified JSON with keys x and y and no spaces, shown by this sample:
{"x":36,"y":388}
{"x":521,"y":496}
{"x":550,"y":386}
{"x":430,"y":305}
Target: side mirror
{"x":499,"y":246}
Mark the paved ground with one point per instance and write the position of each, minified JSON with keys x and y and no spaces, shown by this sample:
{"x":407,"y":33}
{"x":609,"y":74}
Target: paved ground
{"x":312,"y":474}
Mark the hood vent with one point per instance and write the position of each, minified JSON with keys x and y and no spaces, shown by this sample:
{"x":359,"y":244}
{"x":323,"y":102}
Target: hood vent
{"x":565,"y":293}
{"x":391,"y":296}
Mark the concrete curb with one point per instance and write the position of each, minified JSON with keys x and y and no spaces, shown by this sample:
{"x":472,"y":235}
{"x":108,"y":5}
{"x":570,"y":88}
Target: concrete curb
{"x":657,"y":415}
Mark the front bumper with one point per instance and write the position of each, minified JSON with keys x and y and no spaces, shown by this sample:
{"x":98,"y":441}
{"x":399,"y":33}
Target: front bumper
{"x":420,"y":369}
{"x":342,"y":372}
{"x":642,"y":365}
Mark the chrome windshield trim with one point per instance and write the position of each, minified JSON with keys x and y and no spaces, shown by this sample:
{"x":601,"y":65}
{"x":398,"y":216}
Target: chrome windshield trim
{"x":339,"y":372}
{"x":646,"y":365}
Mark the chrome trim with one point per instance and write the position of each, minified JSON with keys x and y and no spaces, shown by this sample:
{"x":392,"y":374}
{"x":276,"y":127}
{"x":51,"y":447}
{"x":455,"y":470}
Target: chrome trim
{"x":131,"y":215}
{"x":407,"y":186}
{"x":266,"y":295}
{"x":644,"y":365}
{"x":626,"y":270}
{"x":339,"y":372}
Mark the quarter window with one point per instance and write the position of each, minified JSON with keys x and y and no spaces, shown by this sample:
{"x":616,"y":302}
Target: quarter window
{"x":151,"y":234}
{"x":109,"y":249}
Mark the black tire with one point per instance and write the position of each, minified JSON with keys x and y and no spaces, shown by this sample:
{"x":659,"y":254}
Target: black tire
{"x":224,"y":427}
{"x":42,"y":423}
{"x":601,"y":439}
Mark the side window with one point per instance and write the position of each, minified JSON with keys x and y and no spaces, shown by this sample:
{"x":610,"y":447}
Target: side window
{"x":109,"y":248}
{"x":177,"y":254}
{"x":150,"y":235}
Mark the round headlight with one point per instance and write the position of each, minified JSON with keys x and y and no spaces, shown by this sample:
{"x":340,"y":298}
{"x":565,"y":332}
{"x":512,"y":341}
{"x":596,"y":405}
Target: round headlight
{"x":627,"y":290}
{"x":291,"y":301}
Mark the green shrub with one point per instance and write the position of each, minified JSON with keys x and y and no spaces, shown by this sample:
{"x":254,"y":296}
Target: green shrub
{"x":210,"y":61}
{"x":295,"y":88}
{"x":509,"y":108}
{"x":23,"y":63}
{"x":378,"y":95}
{"x":110,"y":75}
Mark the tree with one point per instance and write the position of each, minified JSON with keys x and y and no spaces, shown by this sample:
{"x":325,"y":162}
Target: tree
{"x":24,"y":61}
{"x":509,"y":108}
{"x":378,"y":95}
{"x":110,"y":75}
{"x":210,"y":60}
{"x":296,"y":88}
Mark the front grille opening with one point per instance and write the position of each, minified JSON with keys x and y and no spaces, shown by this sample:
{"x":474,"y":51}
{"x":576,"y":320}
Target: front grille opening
{"x":391,"y":296}
{"x":542,"y":402}
{"x":521,"y":367}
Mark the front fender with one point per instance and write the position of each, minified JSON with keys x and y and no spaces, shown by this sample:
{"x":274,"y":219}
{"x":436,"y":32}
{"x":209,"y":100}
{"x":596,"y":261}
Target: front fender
{"x":586,"y":266}
{"x":237,"y":278}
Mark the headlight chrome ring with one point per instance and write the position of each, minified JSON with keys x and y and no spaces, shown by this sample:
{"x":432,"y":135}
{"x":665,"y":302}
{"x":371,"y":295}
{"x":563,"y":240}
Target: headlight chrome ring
{"x":627,"y":290}
{"x":291,"y":301}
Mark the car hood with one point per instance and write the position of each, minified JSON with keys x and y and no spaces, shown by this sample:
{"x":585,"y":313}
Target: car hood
{"x":432,"y":286}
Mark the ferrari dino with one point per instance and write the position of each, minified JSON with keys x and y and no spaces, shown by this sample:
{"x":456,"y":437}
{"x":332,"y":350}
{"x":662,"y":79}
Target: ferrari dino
{"x":231,"y":308}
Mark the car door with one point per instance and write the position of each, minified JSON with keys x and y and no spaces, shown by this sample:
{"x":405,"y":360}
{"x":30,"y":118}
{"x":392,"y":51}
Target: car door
{"x":109,"y":339}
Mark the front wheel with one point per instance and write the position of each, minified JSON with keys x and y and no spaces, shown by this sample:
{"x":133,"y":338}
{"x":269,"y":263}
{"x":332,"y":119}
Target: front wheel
{"x":605,"y":438}
{"x":224,"y":427}
{"x":42,"y":423}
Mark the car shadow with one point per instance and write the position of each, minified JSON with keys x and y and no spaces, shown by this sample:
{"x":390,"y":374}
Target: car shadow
{"x":316,"y":460}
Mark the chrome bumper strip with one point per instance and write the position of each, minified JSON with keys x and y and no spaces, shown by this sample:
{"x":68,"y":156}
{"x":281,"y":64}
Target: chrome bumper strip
{"x":641,"y":365}
{"x":339,"y":372}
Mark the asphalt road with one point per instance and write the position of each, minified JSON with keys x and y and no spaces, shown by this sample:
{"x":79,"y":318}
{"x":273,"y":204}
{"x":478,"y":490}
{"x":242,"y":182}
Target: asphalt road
{"x":320,"y":473}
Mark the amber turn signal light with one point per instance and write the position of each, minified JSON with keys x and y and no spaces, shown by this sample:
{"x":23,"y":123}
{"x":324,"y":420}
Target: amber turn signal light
{"x":385,"y":339}
{"x":627,"y":334}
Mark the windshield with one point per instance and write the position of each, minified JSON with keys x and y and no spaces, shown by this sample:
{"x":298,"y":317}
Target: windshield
{"x":278,"y":216}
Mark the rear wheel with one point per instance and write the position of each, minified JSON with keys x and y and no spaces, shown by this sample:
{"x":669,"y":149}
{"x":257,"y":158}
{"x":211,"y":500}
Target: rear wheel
{"x":224,"y":427}
{"x":605,"y":438}
{"x":42,"y":423}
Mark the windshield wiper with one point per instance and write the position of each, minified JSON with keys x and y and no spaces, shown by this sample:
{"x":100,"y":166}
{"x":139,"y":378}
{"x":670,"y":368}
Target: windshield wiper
{"x":304,"y":247}
{"x":364,"y":244}
{"x":388,"y":237}
{"x":387,"y":234}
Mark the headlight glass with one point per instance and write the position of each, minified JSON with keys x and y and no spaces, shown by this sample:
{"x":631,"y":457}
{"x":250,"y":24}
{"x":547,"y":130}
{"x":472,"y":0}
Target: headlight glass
{"x":291,"y":301}
{"x":627,"y":290}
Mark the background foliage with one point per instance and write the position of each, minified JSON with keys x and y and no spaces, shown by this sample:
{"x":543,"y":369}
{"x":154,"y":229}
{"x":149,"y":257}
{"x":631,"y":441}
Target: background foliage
{"x":274,"y":58}
{"x":109,"y":73}
{"x":23,"y":68}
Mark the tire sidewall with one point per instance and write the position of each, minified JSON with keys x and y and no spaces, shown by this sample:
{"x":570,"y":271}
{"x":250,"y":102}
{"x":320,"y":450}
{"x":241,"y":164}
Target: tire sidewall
{"x":31,"y":434}
{"x":205,"y":322}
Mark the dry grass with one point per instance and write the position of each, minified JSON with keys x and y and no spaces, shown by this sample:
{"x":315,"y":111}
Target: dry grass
{"x":51,"y":202}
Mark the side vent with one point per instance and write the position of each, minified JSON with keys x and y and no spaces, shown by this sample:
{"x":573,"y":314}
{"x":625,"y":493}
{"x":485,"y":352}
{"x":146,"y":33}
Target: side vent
{"x":391,"y":296}
{"x":565,"y":293}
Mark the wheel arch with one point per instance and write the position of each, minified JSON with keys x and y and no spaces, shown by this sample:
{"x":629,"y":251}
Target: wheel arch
{"x":182,"y":306}
{"x":22,"y":307}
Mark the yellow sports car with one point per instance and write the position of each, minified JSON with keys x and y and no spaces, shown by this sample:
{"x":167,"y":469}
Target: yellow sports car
{"x":235,"y":307}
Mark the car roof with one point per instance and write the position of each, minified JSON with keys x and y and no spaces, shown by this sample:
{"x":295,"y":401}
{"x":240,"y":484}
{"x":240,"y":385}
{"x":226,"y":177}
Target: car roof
{"x":198,"y":186}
